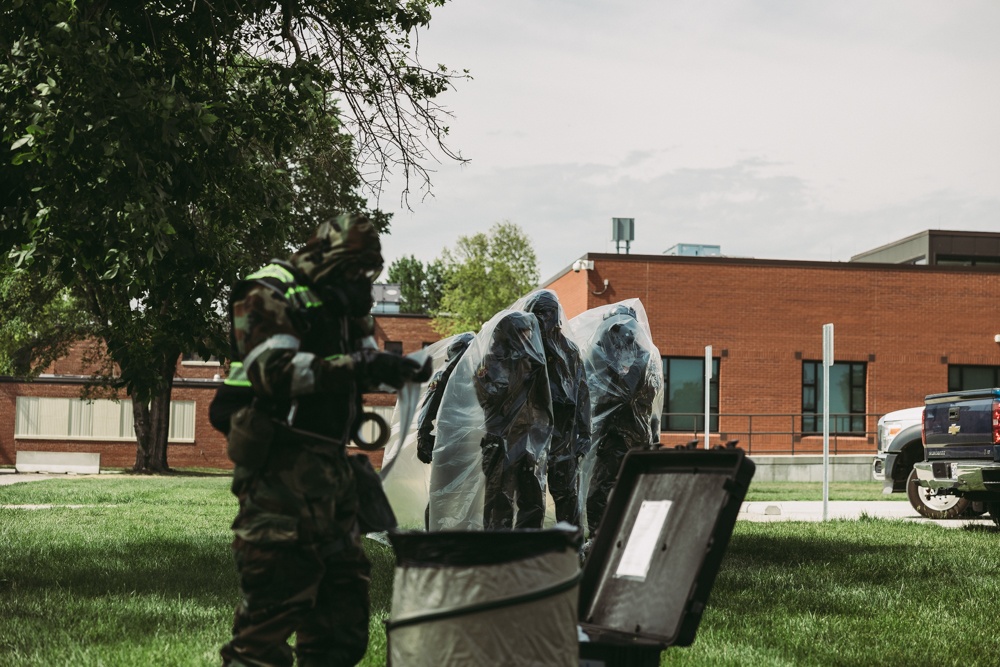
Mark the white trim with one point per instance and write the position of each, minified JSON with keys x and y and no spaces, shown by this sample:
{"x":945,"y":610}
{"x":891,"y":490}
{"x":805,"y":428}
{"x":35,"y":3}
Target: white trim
{"x":86,"y":438}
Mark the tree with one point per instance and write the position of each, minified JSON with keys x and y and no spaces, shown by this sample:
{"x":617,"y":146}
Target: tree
{"x":420,"y":285}
{"x":158,"y":151}
{"x":39,"y":321}
{"x":485,"y":274}
{"x":409,"y":273}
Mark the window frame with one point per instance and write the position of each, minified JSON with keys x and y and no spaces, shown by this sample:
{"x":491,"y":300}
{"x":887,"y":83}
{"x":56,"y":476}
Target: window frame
{"x":697,"y":424}
{"x":959,"y":370}
{"x":812,"y":410}
{"x":78,"y":415}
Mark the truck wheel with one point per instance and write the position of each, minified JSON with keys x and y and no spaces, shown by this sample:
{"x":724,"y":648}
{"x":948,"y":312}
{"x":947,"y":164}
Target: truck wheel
{"x":934,"y":506}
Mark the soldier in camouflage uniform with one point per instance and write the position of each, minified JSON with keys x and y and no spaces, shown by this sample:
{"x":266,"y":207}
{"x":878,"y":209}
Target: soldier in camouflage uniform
{"x":297,"y":329}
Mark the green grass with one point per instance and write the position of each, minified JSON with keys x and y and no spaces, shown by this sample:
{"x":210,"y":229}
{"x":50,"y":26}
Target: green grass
{"x":143,"y":576}
{"x":779,"y":491}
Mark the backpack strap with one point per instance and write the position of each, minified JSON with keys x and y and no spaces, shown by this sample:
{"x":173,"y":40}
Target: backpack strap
{"x":288,"y":284}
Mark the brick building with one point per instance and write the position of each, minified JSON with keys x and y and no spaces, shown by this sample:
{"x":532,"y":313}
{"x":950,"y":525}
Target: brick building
{"x":901,"y":331}
{"x":911,"y":318}
{"x":48,"y":415}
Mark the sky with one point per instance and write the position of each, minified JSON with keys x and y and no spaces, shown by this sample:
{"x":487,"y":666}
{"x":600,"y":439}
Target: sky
{"x":781,"y":129}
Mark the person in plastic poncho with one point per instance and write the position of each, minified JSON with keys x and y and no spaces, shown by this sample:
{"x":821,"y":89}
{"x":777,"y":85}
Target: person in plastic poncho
{"x":493,"y":430}
{"x":431,"y":404}
{"x":570,"y":404}
{"x":297,"y":331}
{"x":405,"y":477}
{"x":512,"y":387}
{"x":625,"y":376}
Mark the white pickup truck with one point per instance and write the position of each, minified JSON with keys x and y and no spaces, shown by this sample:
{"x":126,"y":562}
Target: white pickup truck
{"x":900,"y":445}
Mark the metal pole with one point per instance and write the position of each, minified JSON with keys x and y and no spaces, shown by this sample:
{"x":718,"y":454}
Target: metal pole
{"x":708,"y":390}
{"x":827,"y":363}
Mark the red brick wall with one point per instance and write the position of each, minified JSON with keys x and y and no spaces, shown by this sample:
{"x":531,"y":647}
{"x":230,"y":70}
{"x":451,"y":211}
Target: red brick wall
{"x":209,"y":447}
{"x":412,"y":330}
{"x":762,"y":314}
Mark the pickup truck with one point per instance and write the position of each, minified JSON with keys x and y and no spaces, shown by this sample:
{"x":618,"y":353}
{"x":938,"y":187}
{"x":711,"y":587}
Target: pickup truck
{"x":900,"y":446}
{"x":962,"y":447}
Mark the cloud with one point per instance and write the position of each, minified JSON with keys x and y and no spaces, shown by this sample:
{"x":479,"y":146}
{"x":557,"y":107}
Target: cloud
{"x":749,"y":208}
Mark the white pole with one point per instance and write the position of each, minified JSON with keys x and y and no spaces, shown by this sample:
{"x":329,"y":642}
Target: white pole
{"x":708,"y":389}
{"x":827,"y":363}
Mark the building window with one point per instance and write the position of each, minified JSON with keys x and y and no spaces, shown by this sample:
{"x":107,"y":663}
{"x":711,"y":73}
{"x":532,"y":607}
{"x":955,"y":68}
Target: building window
{"x":76,"y":419}
{"x":394,"y":346}
{"x":194,"y":359}
{"x":847,"y":397}
{"x":973,"y":377}
{"x":684,"y":395}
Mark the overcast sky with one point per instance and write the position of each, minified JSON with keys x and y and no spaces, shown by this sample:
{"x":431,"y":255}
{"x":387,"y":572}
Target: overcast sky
{"x":789,"y":129}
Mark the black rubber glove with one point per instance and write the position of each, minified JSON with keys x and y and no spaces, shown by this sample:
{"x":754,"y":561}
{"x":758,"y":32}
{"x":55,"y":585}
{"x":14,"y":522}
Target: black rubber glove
{"x":394,"y":370}
{"x":425,"y":449}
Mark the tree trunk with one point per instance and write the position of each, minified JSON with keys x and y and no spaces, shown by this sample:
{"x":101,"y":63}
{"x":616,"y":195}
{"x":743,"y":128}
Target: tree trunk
{"x":159,"y":414}
{"x":152,"y":424}
{"x":140,"y":419}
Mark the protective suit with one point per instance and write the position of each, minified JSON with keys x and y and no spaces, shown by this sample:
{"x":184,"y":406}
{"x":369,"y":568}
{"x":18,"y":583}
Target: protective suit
{"x":493,"y":431}
{"x":570,"y":394}
{"x":297,"y":330}
{"x":625,"y":375}
{"x":405,"y":477}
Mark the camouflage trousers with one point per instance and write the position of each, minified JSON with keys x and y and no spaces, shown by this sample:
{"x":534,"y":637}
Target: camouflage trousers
{"x":323,"y":599}
{"x":305,"y":574}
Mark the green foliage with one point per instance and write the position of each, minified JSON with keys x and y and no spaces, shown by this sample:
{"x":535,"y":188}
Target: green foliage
{"x":39,"y":320}
{"x":421,"y":286}
{"x":154,"y":153}
{"x":485,"y":274}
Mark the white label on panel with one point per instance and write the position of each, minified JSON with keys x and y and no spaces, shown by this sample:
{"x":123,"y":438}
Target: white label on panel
{"x":644,"y":539}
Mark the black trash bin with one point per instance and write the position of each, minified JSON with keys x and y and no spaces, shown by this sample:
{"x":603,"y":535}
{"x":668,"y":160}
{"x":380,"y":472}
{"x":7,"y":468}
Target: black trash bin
{"x":659,"y":546}
{"x":485,"y":598}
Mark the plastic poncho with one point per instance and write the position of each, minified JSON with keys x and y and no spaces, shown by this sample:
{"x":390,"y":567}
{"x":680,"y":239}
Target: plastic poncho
{"x":495,"y":423}
{"x":625,"y":375}
{"x":405,"y":478}
{"x":568,"y":386}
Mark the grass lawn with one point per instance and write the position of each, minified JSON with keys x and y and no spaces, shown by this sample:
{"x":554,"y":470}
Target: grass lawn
{"x":141,"y":574}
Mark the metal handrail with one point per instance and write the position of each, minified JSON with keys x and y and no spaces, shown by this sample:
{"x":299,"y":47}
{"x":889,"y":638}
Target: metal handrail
{"x":791,"y":440}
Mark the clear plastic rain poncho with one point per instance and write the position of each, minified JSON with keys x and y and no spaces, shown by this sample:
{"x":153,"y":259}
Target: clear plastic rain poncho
{"x":405,"y":478}
{"x":625,"y":376}
{"x":493,"y":431}
{"x":570,"y":404}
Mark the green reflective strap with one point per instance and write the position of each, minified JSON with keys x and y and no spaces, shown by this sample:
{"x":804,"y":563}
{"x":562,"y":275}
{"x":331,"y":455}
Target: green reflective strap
{"x":308,"y":301}
{"x":237,"y":376}
{"x":273,"y":271}
{"x":332,"y":357}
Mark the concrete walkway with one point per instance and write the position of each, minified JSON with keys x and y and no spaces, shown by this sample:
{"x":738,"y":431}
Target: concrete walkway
{"x":812,"y":510}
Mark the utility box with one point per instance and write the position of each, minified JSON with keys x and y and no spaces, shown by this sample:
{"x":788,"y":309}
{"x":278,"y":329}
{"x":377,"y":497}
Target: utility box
{"x":661,"y":541}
